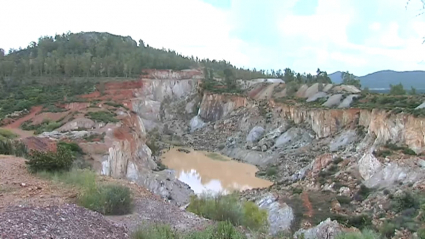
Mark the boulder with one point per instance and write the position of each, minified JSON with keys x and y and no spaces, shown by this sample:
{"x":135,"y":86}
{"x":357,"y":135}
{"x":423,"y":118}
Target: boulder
{"x":327,"y":87}
{"x":280,"y":215}
{"x":270,"y":137}
{"x":296,"y":137}
{"x":317,"y":96}
{"x":368,"y":166}
{"x":334,"y":100}
{"x":301,"y":91}
{"x":255,"y":134}
{"x":325,"y":230}
{"x":346,"y":103}
{"x":312,"y":90}
{"x":196,"y":123}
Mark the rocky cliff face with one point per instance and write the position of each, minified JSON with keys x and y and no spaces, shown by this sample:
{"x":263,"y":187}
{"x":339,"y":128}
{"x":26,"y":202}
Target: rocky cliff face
{"x":148,"y":99}
{"x":382,"y":125}
{"x":214,"y":107}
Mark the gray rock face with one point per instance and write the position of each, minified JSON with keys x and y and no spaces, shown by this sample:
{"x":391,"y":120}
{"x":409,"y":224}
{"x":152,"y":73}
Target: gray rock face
{"x":325,"y":230}
{"x":368,"y":166}
{"x":255,"y":134}
{"x":165,"y":184}
{"x":317,"y":96}
{"x":327,"y":87}
{"x":280,"y":215}
{"x":342,"y":140}
{"x":269,"y":138}
{"x":249,"y":156}
{"x":392,"y":173}
{"x":346,"y":103}
{"x":333,"y":100}
{"x":294,"y":136}
{"x":196,"y":123}
{"x":69,"y":134}
{"x":312,"y":90}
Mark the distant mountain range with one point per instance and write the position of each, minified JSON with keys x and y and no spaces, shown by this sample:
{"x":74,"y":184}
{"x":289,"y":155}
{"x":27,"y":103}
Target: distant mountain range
{"x":383,"y":79}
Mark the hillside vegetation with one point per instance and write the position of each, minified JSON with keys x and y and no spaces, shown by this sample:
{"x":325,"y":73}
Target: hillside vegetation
{"x":383,"y":79}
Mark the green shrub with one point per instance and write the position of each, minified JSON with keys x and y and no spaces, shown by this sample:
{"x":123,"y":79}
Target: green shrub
{"x":254,"y":217}
{"x":343,"y":199}
{"x":102,"y":116}
{"x":359,"y":221}
{"x":229,"y":208}
{"x":365,"y":234}
{"x":7,"y":134}
{"x":45,"y":126}
{"x":421,"y":233}
{"x":107,"y":199}
{"x":61,"y":160}
{"x":13,"y":147}
{"x":223,"y":230}
{"x":72,"y":146}
{"x":404,"y":201}
{"x":155,"y":232}
{"x":387,"y":229}
{"x":271,"y":171}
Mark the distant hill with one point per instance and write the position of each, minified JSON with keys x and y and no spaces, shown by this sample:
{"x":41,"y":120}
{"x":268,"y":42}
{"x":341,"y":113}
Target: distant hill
{"x":383,"y":79}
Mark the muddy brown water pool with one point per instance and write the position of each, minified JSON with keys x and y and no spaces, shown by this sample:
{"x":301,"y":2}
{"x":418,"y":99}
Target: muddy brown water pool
{"x":207,"y":172}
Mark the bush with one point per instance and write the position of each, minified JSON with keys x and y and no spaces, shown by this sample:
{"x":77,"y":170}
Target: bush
{"x":343,"y":199}
{"x":61,"y":160}
{"x":155,"y":232}
{"x":405,"y":201}
{"x":13,"y":147}
{"x":229,"y":208}
{"x":359,"y":221}
{"x":45,"y":126}
{"x":107,"y":199}
{"x":102,"y":116}
{"x":71,"y":146}
{"x":387,"y":229}
{"x":421,"y":233}
{"x":365,"y":234}
{"x":7,"y":134}
{"x":254,"y":217}
{"x":223,"y":230}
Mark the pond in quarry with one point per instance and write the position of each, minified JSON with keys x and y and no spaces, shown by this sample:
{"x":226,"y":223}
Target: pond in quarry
{"x":207,"y":172}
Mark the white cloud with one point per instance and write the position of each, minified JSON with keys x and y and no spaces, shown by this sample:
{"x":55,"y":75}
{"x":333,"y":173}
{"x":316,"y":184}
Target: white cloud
{"x":392,"y":37}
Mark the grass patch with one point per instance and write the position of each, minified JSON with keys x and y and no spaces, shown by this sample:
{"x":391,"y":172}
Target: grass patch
{"x":223,"y":230}
{"x":229,"y":208}
{"x":365,"y":234}
{"x":108,"y":199}
{"x":6,"y":134}
{"x":216,"y":156}
{"x":13,"y":147}
{"x":45,"y":126}
{"x":359,"y":221}
{"x":102,"y":116}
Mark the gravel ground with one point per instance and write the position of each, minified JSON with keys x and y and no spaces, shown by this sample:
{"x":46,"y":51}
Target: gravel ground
{"x":65,"y":221}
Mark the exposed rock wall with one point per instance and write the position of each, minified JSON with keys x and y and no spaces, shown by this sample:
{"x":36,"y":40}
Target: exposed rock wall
{"x":148,"y":99}
{"x":400,"y":128}
{"x":214,"y":107}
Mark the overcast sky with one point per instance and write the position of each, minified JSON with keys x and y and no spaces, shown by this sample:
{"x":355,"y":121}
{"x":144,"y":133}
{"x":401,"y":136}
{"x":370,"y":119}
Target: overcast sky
{"x":355,"y":35}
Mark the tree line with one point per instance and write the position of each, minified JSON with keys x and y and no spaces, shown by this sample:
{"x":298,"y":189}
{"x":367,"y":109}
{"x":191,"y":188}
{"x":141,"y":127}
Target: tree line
{"x":93,"y":54}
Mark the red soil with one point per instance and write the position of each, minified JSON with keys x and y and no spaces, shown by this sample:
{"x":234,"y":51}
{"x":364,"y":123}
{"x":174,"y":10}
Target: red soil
{"x":34,"y":110}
